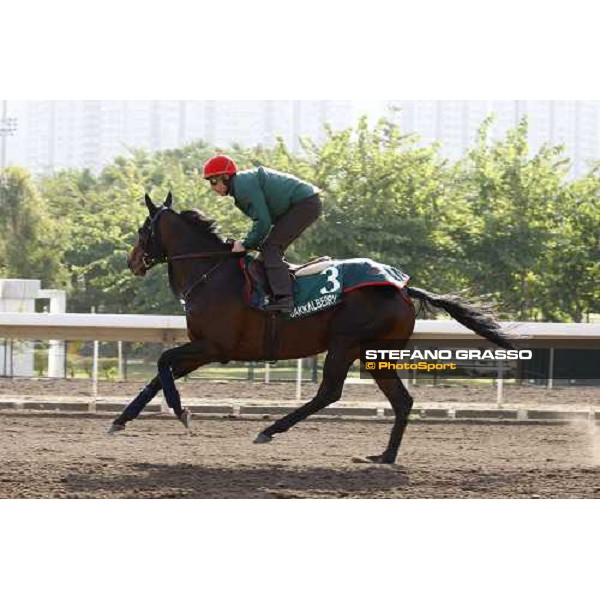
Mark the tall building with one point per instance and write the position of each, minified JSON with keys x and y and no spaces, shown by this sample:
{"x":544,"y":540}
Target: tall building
{"x":574,"y":123}
{"x":54,"y":135}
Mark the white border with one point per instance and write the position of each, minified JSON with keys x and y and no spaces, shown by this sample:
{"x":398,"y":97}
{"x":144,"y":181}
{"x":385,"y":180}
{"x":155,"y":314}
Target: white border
{"x":235,"y":50}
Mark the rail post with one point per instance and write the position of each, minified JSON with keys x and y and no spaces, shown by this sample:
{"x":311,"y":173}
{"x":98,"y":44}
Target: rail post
{"x":95,"y":356}
{"x":500,"y":383}
{"x":299,"y":380}
{"x":550,"y":380}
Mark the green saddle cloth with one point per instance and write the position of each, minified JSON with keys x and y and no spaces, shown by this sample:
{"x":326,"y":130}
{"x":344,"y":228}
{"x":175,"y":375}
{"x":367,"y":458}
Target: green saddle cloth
{"x":321,"y":291}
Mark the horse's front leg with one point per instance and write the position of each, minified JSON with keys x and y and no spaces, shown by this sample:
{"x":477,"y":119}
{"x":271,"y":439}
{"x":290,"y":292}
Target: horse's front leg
{"x":172,"y":364}
{"x":135,"y":407}
{"x":166,"y":364}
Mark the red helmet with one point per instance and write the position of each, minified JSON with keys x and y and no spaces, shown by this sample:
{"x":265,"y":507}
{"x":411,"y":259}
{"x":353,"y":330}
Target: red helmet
{"x":219,"y":165}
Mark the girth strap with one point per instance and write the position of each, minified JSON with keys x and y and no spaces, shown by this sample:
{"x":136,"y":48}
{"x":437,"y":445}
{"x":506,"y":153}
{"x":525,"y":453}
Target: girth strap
{"x":271,"y":339}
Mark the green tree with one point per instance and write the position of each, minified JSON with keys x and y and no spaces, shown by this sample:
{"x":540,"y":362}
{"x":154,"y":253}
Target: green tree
{"x":574,"y":254}
{"x":384,"y":196}
{"x":509,"y":219}
{"x":502,"y":221}
{"x":31,"y":241}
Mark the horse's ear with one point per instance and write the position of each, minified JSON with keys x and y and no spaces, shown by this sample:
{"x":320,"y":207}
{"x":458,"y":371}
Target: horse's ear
{"x":169,"y":200}
{"x":151,"y":206}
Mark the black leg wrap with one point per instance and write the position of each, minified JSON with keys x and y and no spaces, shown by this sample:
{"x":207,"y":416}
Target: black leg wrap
{"x":165,"y":374}
{"x":135,"y":407}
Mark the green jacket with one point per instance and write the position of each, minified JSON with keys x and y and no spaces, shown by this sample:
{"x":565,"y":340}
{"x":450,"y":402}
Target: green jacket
{"x":264,"y":195}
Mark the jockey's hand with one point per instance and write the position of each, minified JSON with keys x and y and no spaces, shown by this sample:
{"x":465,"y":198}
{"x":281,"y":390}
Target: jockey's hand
{"x":238,"y":246}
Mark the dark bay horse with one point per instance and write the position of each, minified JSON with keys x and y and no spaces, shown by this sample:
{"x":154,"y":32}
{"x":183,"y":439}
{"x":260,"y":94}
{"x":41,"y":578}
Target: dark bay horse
{"x":203,"y":273}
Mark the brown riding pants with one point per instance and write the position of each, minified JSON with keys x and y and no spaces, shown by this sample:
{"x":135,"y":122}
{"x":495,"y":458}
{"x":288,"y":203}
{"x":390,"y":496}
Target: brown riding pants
{"x":285,"y":230}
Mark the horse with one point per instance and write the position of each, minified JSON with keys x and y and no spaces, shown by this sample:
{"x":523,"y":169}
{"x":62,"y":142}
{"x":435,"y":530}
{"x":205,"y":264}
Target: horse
{"x":222,"y":327}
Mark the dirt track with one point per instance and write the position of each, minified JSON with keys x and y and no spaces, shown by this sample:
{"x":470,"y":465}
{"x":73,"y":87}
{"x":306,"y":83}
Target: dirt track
{"x":72,"y":457}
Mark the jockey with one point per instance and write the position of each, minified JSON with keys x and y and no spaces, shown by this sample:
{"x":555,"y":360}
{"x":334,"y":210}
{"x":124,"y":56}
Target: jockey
{"x":281,"y":206}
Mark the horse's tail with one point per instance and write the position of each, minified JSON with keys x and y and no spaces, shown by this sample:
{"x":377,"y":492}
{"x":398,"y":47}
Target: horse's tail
{"x":468,"y":315}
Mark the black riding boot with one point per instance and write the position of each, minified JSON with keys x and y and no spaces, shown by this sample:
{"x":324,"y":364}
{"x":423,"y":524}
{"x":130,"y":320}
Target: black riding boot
{"x":280,"y":282}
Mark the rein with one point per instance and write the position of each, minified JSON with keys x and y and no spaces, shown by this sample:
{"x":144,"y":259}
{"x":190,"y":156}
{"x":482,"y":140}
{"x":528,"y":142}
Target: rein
{"x":204,"y":277}
{"x":223,"y":253}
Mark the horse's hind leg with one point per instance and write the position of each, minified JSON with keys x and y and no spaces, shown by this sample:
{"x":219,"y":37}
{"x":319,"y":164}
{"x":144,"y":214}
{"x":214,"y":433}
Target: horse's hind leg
{"x":401,"y":402}
{"x":335,"y":369}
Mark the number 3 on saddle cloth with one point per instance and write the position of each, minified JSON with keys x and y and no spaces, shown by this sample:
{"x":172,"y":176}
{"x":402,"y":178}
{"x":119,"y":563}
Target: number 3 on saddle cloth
{"x":319,"y":284}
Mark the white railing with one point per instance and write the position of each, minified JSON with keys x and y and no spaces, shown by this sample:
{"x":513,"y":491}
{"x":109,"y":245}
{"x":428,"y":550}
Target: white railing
{"x":172,"y":329}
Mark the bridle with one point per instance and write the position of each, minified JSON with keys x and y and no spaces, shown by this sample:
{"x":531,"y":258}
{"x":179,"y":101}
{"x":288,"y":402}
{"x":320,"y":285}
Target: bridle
{"x":159,"y":255}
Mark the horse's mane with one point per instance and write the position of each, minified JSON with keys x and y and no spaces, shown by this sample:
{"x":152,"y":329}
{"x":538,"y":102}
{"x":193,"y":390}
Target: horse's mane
{"x":201,"y":222}
{"x":203,"y":225}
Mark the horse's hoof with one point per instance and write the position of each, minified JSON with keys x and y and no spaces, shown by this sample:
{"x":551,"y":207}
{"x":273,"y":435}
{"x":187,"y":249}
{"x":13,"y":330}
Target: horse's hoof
{"x":367,"y":460}
{"x":263,"y":438}
{"x":381,"y":459}
{"x":186,"y":418}
{"x":115,"y":428}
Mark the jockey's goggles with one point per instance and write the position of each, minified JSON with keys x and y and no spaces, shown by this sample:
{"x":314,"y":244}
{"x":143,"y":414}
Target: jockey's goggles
{"x":215,"y":180}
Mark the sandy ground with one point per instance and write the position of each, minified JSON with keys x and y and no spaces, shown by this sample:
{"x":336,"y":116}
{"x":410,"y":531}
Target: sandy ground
{"x":70,"y":456}
{"x":274,"y":392}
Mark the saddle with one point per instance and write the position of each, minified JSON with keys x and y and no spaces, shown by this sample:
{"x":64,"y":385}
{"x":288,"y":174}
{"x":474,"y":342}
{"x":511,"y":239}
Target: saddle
{"x":256,"y":269}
